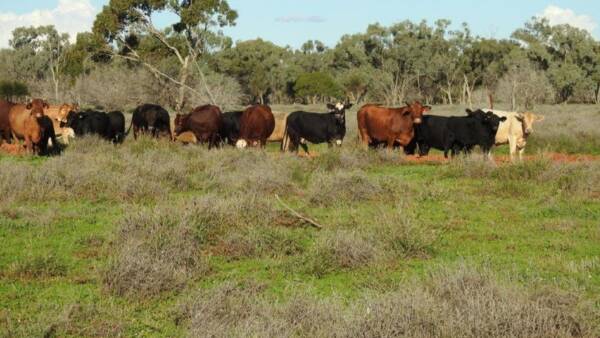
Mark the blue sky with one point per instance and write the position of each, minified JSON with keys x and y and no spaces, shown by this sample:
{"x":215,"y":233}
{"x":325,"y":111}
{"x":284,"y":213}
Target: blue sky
{"x":291,"y":22}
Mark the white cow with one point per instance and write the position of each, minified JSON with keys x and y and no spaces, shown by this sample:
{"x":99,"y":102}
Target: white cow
{"x":515,"y":130}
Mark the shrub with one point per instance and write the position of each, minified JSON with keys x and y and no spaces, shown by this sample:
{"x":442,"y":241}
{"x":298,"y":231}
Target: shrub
{"x":155,"y":251}
{"x":327,"y":189}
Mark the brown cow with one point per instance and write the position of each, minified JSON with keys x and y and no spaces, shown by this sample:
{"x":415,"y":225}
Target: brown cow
{"x":24,"y":123}
{"x":204,"y":121}
{"x":378,"y":124}
{"x":5,"y":134}
{"x":256,"y":125}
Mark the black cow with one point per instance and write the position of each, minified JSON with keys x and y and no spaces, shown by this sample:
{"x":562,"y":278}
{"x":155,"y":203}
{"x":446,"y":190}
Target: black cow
{"x":89,"y":122}
{"x":230,"y":128}
{"x":458,"y":133}
{"x":48,"y":137}
{"x":109,"y":126}
{"x":151,"y":118}
{"x":117,"y":126}
{"x":302,"y":127}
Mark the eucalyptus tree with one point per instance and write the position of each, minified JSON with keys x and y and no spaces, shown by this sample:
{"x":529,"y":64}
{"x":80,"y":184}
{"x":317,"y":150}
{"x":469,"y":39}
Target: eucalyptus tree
{"x":123,"y":25}
{"x":40,"y":50}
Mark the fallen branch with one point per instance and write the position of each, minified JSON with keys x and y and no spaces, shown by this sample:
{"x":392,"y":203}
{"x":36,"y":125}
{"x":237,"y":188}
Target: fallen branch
{"x":298,"y":215}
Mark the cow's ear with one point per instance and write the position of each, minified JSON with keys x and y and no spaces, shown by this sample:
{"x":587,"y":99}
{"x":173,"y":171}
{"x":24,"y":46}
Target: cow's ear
{"x":503,"y":118}
{"x":46,"y":105}
{"x":330,"y":106}
{"x":469,"y":111}
{"x":539,"y":118}
{"x":520,"y":117}
{"x":29,"y":106}
{"x":406,"y":112}
{"x":348,"y":106}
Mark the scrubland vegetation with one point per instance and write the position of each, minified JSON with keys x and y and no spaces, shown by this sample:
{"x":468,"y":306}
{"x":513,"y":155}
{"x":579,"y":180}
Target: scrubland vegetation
{"x":158,"y":239}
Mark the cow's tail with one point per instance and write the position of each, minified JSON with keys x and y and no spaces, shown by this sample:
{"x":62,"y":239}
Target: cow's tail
{"x":286,"y":139}
{"x":128,"y":129}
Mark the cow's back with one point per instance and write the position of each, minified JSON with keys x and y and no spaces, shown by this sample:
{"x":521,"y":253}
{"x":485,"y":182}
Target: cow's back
{"x":279,"y":130}
{"x":512,"y":126}
{"x":257,"y":123}
{"x":17,"y":117}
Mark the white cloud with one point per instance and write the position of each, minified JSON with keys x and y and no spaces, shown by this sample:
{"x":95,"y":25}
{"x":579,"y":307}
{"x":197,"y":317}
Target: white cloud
{"x":69,"y":16}
{"x":559,"y":16}
{"x":300,"y":19}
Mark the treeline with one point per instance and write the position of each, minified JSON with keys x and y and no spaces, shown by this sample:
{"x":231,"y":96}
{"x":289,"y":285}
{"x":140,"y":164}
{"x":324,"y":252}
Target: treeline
{"x":126,"y":60}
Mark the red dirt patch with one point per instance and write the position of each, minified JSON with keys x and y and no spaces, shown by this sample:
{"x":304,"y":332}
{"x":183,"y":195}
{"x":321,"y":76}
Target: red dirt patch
{"x":12,"y":149}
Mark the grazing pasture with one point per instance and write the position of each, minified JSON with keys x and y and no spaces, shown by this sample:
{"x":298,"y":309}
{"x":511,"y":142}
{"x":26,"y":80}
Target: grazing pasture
{"x":154,"y":238}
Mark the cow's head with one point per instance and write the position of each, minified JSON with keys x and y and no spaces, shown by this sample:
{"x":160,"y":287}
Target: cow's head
{"x":417,"y":110}
{"x":489,"y":119}
{"x":71,"y":120}
{"x":527,"y":119}
{"x":37,"y":107}
{"x":339,"y":111}
{"x":64,"y":110}
{"x":180,"y":122}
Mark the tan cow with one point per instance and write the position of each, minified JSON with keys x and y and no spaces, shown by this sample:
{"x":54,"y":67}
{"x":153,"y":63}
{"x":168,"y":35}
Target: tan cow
{"x":515,"y":130}
{"x":279,"y":131}
{"x":59,"y":114}
{"x":24,"y":125}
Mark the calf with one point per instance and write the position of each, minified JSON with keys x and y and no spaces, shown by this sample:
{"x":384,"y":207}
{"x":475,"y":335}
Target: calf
{"x":378,"y":124}
{"x":151,"y":118}
{"x":230,"y":127}
{"x":256,"y":125}
{"x":204,"y":121}
{"x":303,"y":127}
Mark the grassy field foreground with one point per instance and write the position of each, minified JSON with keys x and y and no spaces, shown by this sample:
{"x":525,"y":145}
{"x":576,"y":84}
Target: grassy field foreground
{"x":156,"y":239}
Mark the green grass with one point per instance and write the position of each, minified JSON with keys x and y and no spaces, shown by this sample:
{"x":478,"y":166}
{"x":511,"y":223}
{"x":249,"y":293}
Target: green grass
{"x":533,"y":226}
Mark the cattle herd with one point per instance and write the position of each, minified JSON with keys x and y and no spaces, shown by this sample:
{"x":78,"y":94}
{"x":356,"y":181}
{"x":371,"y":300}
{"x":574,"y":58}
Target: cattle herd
{"x":40,"y":125}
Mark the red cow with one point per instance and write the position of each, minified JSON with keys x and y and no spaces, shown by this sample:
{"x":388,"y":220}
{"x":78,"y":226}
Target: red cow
{"x":378,"y":124}
{"x":204,"y":122}
{"x":256,"y":125}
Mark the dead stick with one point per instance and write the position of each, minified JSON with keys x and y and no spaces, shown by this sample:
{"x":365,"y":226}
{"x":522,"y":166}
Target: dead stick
{"x":297,"y":214}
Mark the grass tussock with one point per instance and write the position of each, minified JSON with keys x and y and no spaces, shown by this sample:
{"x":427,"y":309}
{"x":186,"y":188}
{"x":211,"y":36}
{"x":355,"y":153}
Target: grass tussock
{"x":457,"y":302}
{"x":86,"y":320}
{"x":271,"y":242}
{"x":576,"y":179}
{"x":155,"y":251}
{"x":394,"y":234}
{"x":341,"y":187}
{"x":38,"y":267}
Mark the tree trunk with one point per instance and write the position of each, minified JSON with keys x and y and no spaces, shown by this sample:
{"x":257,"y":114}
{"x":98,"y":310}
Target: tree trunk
{"x":490,"y":99}
{"x":468,"y":92}
{"x":55,"y":82}
{"x":513,"y":96}
{"x":182,"y":78}
{"x":598,"y":93}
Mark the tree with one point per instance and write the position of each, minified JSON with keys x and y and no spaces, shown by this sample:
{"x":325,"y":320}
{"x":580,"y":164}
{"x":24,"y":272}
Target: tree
{"x":257,"y":65}
{"x":124,"y":24}
{"x":47,"y":47}
{"x":13,"y":90}
{"x":315,"y":86}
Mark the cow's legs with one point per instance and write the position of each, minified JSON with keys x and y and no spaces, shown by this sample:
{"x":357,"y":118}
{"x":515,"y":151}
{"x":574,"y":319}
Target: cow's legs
{"x":512,"y":143}
{"x":304,"y":147}
{"x":521,"y":152}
